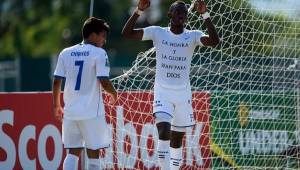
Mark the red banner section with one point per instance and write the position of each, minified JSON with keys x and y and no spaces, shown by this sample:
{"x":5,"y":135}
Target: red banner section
{"x":30,"y":137}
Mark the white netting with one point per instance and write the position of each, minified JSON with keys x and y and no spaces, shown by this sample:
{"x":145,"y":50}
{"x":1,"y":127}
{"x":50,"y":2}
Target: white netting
{"x":245,"y":95}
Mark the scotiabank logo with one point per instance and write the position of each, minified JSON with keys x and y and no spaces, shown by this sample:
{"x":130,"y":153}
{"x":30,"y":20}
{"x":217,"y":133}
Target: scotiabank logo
{"x":134,"y":148}
{"x":30,"y":138}
{"x":14,"y":148}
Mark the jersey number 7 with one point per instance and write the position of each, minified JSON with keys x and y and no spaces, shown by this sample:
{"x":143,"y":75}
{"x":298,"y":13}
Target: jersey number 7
{"x":78,"y":80}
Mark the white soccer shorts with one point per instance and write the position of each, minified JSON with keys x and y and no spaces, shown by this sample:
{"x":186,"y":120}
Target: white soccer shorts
{"x":176,"y":103}
{"x":90,"y":133}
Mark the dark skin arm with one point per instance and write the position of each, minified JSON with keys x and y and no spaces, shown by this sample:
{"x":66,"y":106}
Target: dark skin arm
{"x":137,"y":34}
{"x":128,"y":30}
{"x":212,"y":39}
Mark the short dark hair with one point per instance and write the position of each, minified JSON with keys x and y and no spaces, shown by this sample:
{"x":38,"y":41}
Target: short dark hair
{"x":175,"y":3}
{"x":95,"y":25}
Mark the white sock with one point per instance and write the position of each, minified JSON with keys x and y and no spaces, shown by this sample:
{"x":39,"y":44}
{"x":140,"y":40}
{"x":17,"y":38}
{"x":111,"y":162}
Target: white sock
{"x":163,"y":151}
{"x":175,"y":158}
{"x":94,"y":164}
{"x":70,"y":162}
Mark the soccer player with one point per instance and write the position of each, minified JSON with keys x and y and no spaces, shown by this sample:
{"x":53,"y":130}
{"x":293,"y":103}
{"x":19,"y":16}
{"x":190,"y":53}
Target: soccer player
{"x":172,"y":105}
{"x":85,"y":68}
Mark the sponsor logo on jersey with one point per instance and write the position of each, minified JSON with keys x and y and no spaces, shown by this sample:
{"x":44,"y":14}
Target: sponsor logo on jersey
{"x":107,"y":62}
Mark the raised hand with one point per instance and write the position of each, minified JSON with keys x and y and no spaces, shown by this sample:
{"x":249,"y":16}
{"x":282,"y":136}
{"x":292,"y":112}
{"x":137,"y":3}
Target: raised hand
{"x":200,"y":6}
{"x":143,"y":4}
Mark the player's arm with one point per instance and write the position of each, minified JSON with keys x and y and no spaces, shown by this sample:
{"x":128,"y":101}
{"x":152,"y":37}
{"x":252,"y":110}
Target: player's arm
{"x":128,"y":29}
{"x":212,"y":39}
{"x":102,"y":70}
{"x":109,"y":88}
{"x":59,"y":75}
{"x":56,"y":90}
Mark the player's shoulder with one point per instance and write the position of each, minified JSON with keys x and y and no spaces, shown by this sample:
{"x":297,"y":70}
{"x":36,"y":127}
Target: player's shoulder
{"x":194,"y":31}
{"x":165,"y":28}
{"x":66,"y":51}
{"x":74,"y":47}
{"x":191,"y":31}
{"x":155,"y":27}
{"x":97,"y":52}
{"x":161,"y":30}
{"x":100,"y":51}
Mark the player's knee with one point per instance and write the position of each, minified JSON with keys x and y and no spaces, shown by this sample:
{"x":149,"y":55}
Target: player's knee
{"x":163,"y":129}
{"x":176,"y":143}
{"x":75,"y":151}
{"x":163,"y":135}
{"x":94,"y":154}
{"x":176,"y":139}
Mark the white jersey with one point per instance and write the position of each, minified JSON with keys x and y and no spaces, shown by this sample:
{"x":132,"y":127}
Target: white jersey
{"x":173,"y":55}
{"x":81,"y":65}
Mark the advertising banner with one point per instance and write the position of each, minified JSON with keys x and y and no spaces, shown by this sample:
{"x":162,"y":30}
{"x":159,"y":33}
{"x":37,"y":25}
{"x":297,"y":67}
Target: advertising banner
{"x":30,"y":137}
{"x":253,"y":129}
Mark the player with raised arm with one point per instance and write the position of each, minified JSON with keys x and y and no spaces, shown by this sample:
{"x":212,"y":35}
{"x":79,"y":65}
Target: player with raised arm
{"x":85,"y":68}
{"x":172,"y":105}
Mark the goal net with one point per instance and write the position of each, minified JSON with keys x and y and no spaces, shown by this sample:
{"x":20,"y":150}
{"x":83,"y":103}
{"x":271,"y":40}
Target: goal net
{"x":245,"y":95}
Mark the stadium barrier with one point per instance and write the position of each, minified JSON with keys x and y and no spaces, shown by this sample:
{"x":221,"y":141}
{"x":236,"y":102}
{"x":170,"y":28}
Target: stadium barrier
{"x":233,"y":129}
{"x":31,"y":137}
{"x":256,"y":128}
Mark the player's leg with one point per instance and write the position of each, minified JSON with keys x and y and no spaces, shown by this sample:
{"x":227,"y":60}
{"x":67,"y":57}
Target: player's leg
{"x":71,"y":159}
{"x":164,"y":128}
{"x":73,"y":142}
{"x":183,"y":118}
{"x":163,"y":118}
{"x":96,"y":136}
{"x":93,"y":159}
{"x":176,"y":147}
{"x":163,"y":112}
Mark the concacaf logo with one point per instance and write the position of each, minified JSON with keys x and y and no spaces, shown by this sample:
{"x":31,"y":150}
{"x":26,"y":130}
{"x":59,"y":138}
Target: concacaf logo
{"x":243,"y":114}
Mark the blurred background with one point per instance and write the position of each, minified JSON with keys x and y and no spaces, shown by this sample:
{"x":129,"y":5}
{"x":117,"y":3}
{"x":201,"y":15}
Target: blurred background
{"x":33,"y":32}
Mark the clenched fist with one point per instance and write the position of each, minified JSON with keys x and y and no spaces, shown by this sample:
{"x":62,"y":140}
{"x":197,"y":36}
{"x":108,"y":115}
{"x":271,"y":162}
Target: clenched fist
{"x":143,"y":4}
{"x":200,"y":6}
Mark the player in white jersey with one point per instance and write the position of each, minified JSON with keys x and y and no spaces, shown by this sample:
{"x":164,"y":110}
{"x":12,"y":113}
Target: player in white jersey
{"x":85,"y":68}
{"x":172,"y":106}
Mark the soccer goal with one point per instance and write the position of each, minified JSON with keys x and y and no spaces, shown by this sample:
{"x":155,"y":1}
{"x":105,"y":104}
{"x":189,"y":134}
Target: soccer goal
{"x":245,"y":96}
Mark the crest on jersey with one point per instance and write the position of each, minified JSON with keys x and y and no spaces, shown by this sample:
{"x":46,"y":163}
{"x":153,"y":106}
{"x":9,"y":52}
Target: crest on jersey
{"x":107,"y":62}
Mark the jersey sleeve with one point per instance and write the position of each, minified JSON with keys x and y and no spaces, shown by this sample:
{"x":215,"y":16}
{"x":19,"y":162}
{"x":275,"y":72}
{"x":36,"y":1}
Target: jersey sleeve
{"x":197,"y":36}
{"x":102,"y":65}
{"x":60,"y":70}
{"x":149,"y":33}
